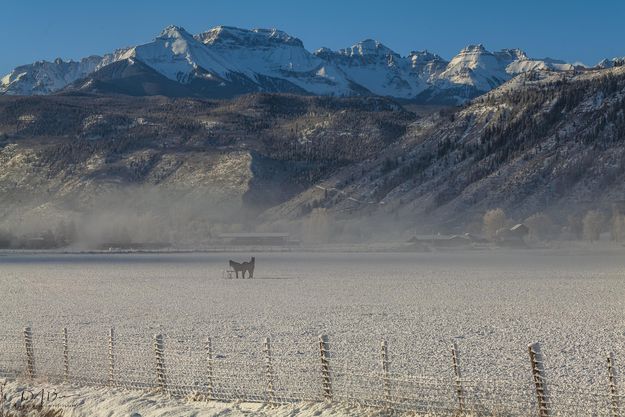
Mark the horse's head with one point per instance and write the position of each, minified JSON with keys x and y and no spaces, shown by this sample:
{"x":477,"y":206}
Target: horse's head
{"x":253,"y":259}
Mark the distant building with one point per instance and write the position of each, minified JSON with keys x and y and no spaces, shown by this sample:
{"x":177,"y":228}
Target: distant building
{"x":253,"y":239}
{"x":476,"y":239}
{"x":519,"y":230}
{"x":513,"y":236}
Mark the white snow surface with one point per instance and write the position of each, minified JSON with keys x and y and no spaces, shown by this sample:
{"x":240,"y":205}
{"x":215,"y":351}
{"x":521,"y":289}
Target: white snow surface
{"x":493,"y":303}
{"x":380,"y":70}
{"x":475,"y":66}
{"x":43,"y":77}
{"x":224,"y":52}
{"x":275,"y":54}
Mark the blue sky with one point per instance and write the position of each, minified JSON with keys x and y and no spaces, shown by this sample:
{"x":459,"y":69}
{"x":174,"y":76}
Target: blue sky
{"x":576,"y":31}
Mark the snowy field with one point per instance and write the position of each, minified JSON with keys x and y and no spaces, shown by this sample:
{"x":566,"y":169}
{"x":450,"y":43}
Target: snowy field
{"x":77,"y":401}
{"x":491,"y":303}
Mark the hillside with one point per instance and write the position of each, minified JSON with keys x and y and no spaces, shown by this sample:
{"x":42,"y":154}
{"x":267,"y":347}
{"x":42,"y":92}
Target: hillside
{"x":176,"y":169}
{"x":542,"y":142}
{"x":171,"y":169}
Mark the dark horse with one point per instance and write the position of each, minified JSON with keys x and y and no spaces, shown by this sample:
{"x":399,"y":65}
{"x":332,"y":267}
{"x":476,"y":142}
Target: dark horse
{"x":243,"y":267}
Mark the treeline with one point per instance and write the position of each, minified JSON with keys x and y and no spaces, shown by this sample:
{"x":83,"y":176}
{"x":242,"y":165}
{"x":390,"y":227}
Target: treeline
{"x":528,"y":123}
{"x":540,"y":111}
{"x":589,"y":226}
{"x":65,"y":234}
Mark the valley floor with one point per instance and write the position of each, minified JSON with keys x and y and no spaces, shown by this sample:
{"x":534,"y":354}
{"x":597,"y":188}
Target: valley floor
{"x":491,"y":303}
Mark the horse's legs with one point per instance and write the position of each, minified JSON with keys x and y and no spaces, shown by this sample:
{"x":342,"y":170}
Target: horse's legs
{"x":237,"y":273}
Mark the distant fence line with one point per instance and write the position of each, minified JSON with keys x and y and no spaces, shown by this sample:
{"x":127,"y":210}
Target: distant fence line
{"x":185,"y":368}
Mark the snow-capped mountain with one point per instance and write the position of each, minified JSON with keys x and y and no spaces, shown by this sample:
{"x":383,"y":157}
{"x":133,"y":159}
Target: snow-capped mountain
{"x":227,"y":61}
{"x":426,"y":65}
{"x":611,"y":63}
{"x":268,"y":54}
{"x":484,"y":70}
{"x":379,"y":69}
{"x":477,"y":67}
{"x":44,"y":77}
{"x":475,"y":71}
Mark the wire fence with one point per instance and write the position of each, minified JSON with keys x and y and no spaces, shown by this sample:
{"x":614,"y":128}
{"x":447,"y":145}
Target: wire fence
{"x":313,"y":370}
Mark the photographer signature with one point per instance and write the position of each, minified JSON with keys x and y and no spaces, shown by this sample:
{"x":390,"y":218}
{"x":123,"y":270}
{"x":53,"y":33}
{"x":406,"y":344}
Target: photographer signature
{"x":33,"y":398}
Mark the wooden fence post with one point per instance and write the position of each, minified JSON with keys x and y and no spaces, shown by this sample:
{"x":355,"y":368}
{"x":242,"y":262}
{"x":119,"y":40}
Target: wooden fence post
{"x":159,"y":355}
{"x":269,"y":372}
{"x":65,"y":355}
{"x":455,"y":357}
{"x":209,"y":369}
{"x":2,"y":398}
{"x":386,"y":381}
{"x":30,"y":353}
{"x":614,"y":400}
{"x":538,"y":376}
{"x":326,"y":380}
{"x":111,"y":357}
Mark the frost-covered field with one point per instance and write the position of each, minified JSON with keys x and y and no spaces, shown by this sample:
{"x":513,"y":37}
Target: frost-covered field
{"x":492,"y":303}
{"x":76,"y":401}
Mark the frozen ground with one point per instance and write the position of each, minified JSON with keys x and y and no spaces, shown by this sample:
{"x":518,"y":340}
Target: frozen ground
{"x":492,"y":303}
{"x":77,"y":401}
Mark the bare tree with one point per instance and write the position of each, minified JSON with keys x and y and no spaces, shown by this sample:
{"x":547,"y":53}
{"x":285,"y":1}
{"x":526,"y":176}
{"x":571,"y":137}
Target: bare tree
{"x":593,"y":224}
{"x":540,"y":225}
{"x":618,"y":227}
{"x":575,"y":226}
{"x":494,"y":220}
{"x":317,"y":226}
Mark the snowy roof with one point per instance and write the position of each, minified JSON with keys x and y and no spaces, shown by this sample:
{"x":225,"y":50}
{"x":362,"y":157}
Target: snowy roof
{"x":519,"y":226}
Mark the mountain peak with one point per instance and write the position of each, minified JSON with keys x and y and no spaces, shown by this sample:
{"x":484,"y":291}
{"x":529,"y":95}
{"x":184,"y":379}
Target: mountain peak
{"x":174,"y":32}
{"x":611,"y":63}
{"x":233,"y":36}
{"x":479,"y":48}
{"x":512,"y":54}
{"x":605,"y":63}
{"x":423,"y":56}
{"x":367,"y":47}
{"x":323,"y":50}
